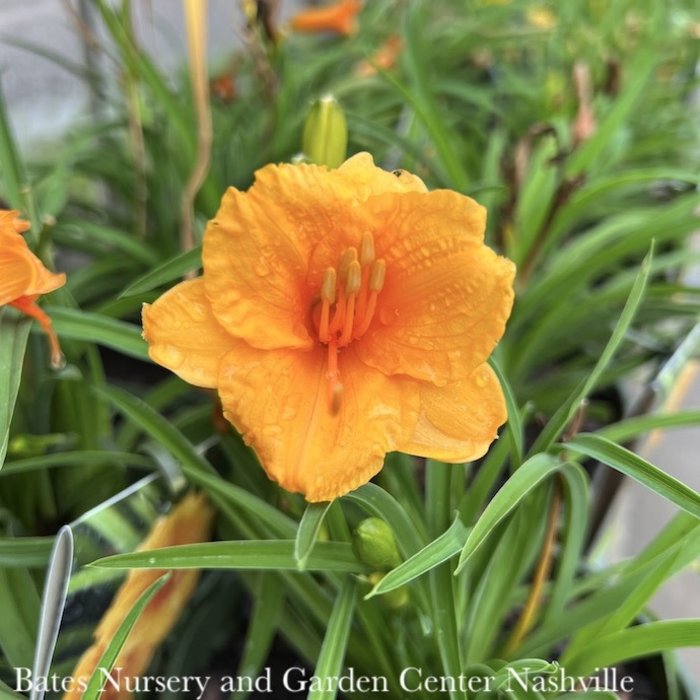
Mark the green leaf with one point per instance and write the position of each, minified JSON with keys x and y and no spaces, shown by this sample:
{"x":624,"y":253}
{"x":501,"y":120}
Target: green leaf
{"x":13,"y":175}
{"x":308,"y":531}
{"x":515,"y":424}
{"x":376,"y":501}
{"x":588,"y":153}
{"x":566,"y":412}
{"x":330,"y":660}
{"x":635,"y":642}
{"x":166,"y":272}
{"x":630,"y":428}
{"x":156,"y":426}
{"x":94,"y":328}
{"x":77,"y":458}
{"x":524,"y":480}
{"x":19,"y":602}
{"x":269,"y":599}
{"x":269,"y":517}
{"x":638,"y":469}
{"x":25,"y":551}
{"x":576,"y":502}
{"x":276,"y":555}
{"x":13,"y":341}
{"x":438,"y":551}
{"x":7,"y":693}
{"x":109,"y":657}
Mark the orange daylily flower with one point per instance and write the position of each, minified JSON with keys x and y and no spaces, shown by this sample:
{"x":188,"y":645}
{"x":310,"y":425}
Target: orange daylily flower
{"x":188,"y":523}
{"x":23,"y":277}
{"x":343,"y":314}
{"x":338,"y":17}
{"x":384,"y":58}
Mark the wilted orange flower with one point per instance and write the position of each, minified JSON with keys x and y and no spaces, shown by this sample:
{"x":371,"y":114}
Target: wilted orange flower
{"x":337,"y":17}
{"x":23,"y":277}
{"x":187,"y":523}
{"x":343,"y":314}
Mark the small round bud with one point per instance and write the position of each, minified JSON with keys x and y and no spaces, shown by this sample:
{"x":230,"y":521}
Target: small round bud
{"x":374,"y":545}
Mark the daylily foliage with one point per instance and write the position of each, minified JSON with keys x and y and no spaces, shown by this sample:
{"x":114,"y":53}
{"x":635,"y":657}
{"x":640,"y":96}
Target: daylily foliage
{"x":343,"y":314}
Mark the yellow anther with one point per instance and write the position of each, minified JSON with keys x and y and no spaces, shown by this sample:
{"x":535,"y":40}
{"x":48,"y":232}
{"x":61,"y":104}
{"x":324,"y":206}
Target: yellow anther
{"x":354,"y":278}
{"x":376,"y":278}
{"x":328,"y":285}
{"x":349,"y":256}
{"x":366,"y":249}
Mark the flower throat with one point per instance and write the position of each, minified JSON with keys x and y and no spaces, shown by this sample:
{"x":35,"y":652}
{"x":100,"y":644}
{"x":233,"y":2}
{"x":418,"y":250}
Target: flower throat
{"x":346,"y":306}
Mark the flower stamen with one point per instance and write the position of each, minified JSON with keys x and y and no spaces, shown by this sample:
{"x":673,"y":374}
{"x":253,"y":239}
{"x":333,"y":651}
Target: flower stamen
{"x":376,"y":284}
{"x":346,"y":306}
{"x":352,"y":287}
{"x":327,"y":300}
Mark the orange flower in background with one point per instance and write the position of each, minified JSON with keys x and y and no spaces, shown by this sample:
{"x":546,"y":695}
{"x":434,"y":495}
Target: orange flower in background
{"x":23,"y":277}
{"x":384,"y":58}
{"x":337,"y":17}
{"x":187,"y":523}
{"x":343,"y":314}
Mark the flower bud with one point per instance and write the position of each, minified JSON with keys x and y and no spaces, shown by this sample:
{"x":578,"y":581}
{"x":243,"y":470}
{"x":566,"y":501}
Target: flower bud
{"x":375,"y":546}
{"x":325,"y":139}
{"x":398,"y":598}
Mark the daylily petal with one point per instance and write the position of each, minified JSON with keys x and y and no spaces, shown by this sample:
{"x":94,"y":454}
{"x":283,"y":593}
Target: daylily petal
{"x":21,"y":272}
{"x":16,"y":275}
{"x":267,"y":247}
{"x":458,"y":422}
{"x":183,"y":334}
{"x":279,"y":401}
{"x":369,"y":180}
{"x":446,"y":298}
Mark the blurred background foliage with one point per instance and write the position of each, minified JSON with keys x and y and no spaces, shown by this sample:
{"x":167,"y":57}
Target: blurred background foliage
{"x":575,"y":124}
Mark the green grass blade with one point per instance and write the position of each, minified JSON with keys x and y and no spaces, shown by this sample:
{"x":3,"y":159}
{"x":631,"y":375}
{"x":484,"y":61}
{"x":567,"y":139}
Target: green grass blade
{"x":156,"y":426}
{"x":94,"y":328}
{"x":563,"y":416}
{"x":25,"y":551}
{"x":576,"y":502}
{"x":438,"y":551}
{"x":106,"y":663}
{"x":635,"y":642}
{"x":638,"y":469}
{"x":13,"y":176}
{"x":13,"y":341}
{"x":522,"y":482}
{"x":630,"y":428}
{"x":269,"y":598}
{"x":20,"y":604}
{"x":77,"y":458}
{"x":308,"y":531}
{"x":168,"y":271}
{"x":275,"y":555}
{"x":330,"y":660}
{"x":515,"y":423}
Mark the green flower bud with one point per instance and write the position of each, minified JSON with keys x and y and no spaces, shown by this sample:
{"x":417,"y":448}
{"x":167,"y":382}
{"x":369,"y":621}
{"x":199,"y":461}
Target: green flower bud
{"x":398,"y":598}
{"x":325,"y":139}
{"x":374,"y":545}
